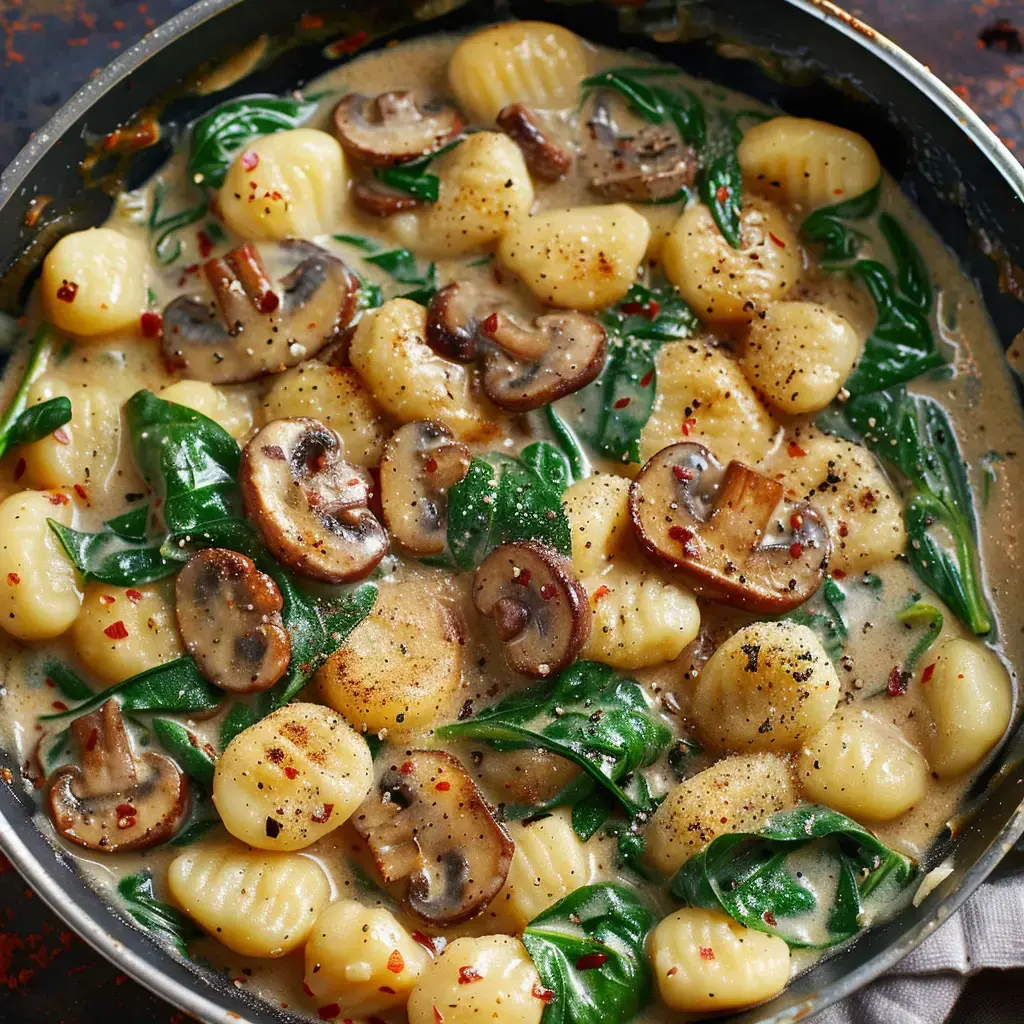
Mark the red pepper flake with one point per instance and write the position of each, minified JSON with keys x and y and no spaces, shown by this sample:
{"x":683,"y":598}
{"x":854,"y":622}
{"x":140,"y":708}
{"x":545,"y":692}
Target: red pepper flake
{"x":58,"y":499}
{"x":490,"y":325}
{"x":311,"y":21}
{"x":67,"y":291}
{"x":897,"y":685}
{"x":545,"y":995}
{"x":523,"y":578}
{"x":396,"y":962}
{"x":62,"y":435}
{"x":929,"y":671}
{"x":707,"y":953}
{"x":721,"y":194}
{"x":778,"y":241}
{"x":124,"y":809}
{"x":769,"y":919}
{"x":60,"y":705}
{"x":844,"y":529}
{"x":589,"y":961}
{"x":622,"y":403}
{"x":151,"y":325}
{"x":329,"y":1012}
{"x":796,"y":549}
{"x":839,"y":574}
{"x":653,"y":309}
{"x":407,"y":768}
{"x":443,"y":787}
{"x":290,"y":772}
{"x":796,"y":520}
{"x":19,"y":469}
{"x":548,"y":591}
{"x":347,"y":45}
{"x":205,"y":244}
{"x":323,"y":814}
{"x":795,"y":451}
{"x":133,"y":595}
{"x":688,"y":424}
{"x":13,"y":579}
{"x":425,"y":941}
{"x":107,"y":599}
{"x":430,"y":466}
{"x":681,"y":534}
{"x":269,"y":302}
{"x":645,"y":382}
{"x":250,"y":160}
{"x":671,"y":972}
{"x":438,"y":1016}
{"x":602,"y":591}
{"x":631,"y":308}
{"x":467,"y":975}
{"x":116,"y":630}
{"x":309,"y":992}
{"x":81,"y":492}
{"x":682,"y":473}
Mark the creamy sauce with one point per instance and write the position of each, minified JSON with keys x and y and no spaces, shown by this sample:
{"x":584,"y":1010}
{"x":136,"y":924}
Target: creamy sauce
{"x":980,"y":396}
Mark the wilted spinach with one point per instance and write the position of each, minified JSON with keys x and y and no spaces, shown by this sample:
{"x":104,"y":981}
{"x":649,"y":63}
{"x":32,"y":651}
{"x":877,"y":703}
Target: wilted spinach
{"x":412,"y":178}
{"x":163,"y":920}
{"x":721,"y":178}
{"x":164,"y":229}
{"x":20,"y":425}
{"x":567,"y":441}
{"x":238,"y":719}
{"x":828,"y":624}
{"x":400,"y":264}
{"x":830,"y":225}
{"x":748,"y":875}
{"x":187,"y":749}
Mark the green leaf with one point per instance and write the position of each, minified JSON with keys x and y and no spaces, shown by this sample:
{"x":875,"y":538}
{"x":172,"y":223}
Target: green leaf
{"x":549,"y":462}
{"x":217,"y":137}
{"x":194,"y":832}
{"x":749,"y":875}
{"x":654,"y":103}
{"x":164,"y":921}
{"x":69,"y":682}
{"x":587,"y":715}
{"x":38,"y":421}
{"x":830,"y":226}
{"x":412,"y":177}
{"x":19,"y":400}
{"x":164,"y":229}
{"x":589,"y":952}
{"x":567,"y":440}
{"x":721,"y":178}
{"x":917,"y":614}
{"x":360,"y":242}
{"x":55,"y":751}
{"x":187,"y":749}
{"x":238,"y":719}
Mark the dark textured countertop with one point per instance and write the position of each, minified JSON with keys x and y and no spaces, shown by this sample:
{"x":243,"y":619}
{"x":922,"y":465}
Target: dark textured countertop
{"x":50,"y":47}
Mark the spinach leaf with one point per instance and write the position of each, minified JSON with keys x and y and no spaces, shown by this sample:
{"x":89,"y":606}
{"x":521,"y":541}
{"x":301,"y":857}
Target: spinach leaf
{"x":9,"y":428}
{"x":163,"y":920}
{"x":412,"y":178}
{"x":400,"y":264}
{"x":164,"y":229}
{"x":38,"y":421}
{"x":902,"y":345}
{"x":501,"y":500}
{"x":237,"y":720}
{"x":914,"y":435}
{"x":194,"y":832}
{"x":721,"y":179}
{"x":69,"y":682}
{"x":589,"y":952}
{"x":566,"y":439}
{"x":748,"y":874}
{"x":55,"y":751}
{"x":549,"y":462}
{"x":614,"y":409}
{"x":218,"y":136}
{"x":587,"y":715}
{"x":828,"y":624}
{"x":194,"y":756}
{"x":920,"y":613}
{"x":830,"y":226}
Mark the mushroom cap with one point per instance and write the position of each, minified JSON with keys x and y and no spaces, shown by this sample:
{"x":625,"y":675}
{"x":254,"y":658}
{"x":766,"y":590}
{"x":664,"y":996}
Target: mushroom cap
{"x":452,"y":321}
{"x":309,"y":504}
{"x":114,"y":802}
{"x":538,"y":605}
{"x":525,"y":370}
{"x":393,"y":128}
{"x":725,"y":530}
{"x":544,"y":158}
{"x":420,"y":462}
{"x":229,"y":616}
{"x":426,"y":821}
{"x":252,"y":327}
{"x":378,"y":200}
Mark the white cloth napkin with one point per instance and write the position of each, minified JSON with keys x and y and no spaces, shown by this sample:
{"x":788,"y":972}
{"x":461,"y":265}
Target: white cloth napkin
{"x":924,"y":987}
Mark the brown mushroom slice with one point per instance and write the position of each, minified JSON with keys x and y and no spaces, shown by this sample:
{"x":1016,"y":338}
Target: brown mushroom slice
{"x":378,"y":200}
{"x":538,"y":605}
{"x":309,"y":504}
{"x":638,"y":163}
{"x":545,"y":159}
{"x":564,"y":352}
{"x":252,"y":327}
{"x":420,"y":462}
{"x":426,"y":822}
{"x":229,"y":616}
{"x":116,"y":802}
{"x":453,"y":321}
{"x":727,"y":530}
{"x":393,"y":128}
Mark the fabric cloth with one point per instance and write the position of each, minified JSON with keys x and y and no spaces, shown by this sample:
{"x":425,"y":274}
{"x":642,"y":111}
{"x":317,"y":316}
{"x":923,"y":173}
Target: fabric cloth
{"x":923,"y":988}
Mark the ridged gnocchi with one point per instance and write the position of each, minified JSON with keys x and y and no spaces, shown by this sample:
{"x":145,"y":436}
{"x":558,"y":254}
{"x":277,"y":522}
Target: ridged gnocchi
{"x":702,"y":395}
{"x":705,"y":962}
{"x":390,"y":353}
{"x":807,"y":163}
{"x":485,"y":188}
{"x":968,"y":692}
{"x":361,"y":960}
{"x":228,"y":407}
{"x":863,"y":767}
{"x":843,"y":480}
{"x":333,"y":395}
{"x":256,"y":903}
{"x":94,"y":282}
{"x":529,"y":62}
{"x":399,"y":669}
{"x":797,"y":355}
{"x":288,"y":185}
{"x":505,"y":986}
{"x":765,"y":688}
{"x":291,"y":778}
{"x":582,"y":258}
{"x":724,"y":284}
{"x":734,"y":795}
{"x":122,"y":631}
{"x":550,"y":862}
{"x":40,"y":594}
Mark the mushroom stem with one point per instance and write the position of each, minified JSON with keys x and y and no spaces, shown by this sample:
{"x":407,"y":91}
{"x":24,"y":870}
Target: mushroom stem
{"x":515,"y":340}
{"x":744,"y":504}
{"x":107,"y":762}
{"x":238,"y":280}
{"x":544,"y":157}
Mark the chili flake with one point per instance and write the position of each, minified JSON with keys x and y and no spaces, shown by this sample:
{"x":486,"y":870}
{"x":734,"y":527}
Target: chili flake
{"x":707,"y":953}
{"x":396,"y":962}
{"x":151,"y":325}
{"x":622,"y":403}
{"x":67,"y":291}
{"x":13,"y":579}
{"x":467,"y":975}
{"x":590,"y":961}
{"x":898,"y":681}
{"x":116,"y":630}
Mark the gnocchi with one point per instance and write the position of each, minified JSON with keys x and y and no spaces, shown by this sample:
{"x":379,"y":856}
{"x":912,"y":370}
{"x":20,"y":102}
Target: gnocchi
{"x":726,"y":285}
{"x":291,"y":778}
{"x":968,"y":692}
{"x":766,"y":688}
{"x":862,"y":767}
{"x":705,"y":962}
{"x":94,"y":282}
{"x":285,"y":185}
{"x":230,"y":408}
{"x":584,"y":258}
{"x":361,"y":960}
{"x":256,"y":903}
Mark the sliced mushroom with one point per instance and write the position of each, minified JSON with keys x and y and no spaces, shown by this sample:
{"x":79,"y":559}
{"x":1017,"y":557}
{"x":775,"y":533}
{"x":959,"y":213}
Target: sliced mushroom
{"x":727,"y":530}
{"x":453,"y":321}
{"x":116,"y":802}
{"x":252,"y":328}
{"x":393,"y":128}
{"x":538,"y":605}
{"x":544,"y":158}
{"x":229,"y":616}
{"x":564,"y":352}
{"x":426,"y":821}
{"x":420,"y":462}
{"x":309,"y":504}
{"x":638,"y":163}
{"x":378,"y":200}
